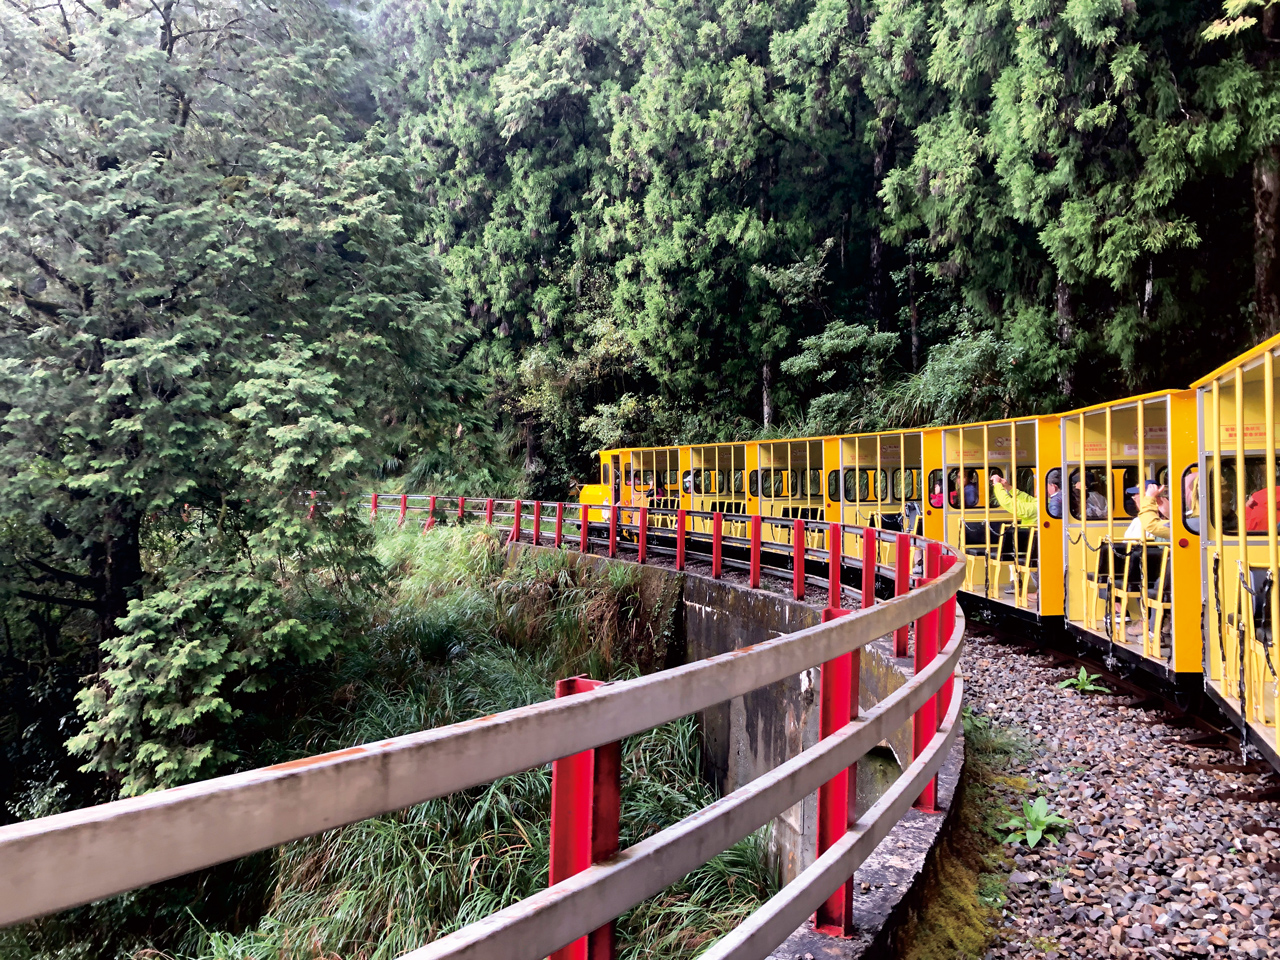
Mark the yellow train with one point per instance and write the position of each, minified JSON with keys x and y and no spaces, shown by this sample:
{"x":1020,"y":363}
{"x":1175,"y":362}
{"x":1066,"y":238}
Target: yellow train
{"x":1118,"y":524}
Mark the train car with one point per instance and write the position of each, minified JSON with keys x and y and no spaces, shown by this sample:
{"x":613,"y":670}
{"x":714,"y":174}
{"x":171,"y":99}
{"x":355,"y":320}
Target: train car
{"x":1236,"y":521}
{"x":985,"y":496}
{"x":1132,"y":578}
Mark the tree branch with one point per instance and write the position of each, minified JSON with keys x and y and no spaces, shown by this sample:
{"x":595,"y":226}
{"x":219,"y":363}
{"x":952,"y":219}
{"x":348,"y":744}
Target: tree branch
{"x":61,"y":601}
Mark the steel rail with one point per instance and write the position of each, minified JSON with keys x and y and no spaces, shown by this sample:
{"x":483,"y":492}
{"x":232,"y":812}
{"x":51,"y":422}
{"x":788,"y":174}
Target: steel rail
{"x":83,"y":855}
{"x":552,"y":918}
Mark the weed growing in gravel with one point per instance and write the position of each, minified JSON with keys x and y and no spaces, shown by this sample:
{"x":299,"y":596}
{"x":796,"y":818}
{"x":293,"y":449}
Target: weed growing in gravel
{"x":1036,"y":821}
{"x":1084,"y":682}
{"x":965,"y":883}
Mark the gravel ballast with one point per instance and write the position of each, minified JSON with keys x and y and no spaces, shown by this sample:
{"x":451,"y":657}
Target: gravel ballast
{"x":1159,"y":861}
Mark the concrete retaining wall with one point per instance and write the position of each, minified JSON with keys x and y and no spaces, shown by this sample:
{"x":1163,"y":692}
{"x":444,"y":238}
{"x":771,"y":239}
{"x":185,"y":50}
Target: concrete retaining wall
{"x":750,"y":735}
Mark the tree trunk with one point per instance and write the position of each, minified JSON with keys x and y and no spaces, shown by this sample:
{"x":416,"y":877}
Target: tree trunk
{"x":914,"y":313}
{"x":878,"y":295}
{"x":1066,"y":333}
{"x":118,"y":563}
{"x":1266,"y":263}
{"x":766,"y":376}
{"x":1149,"y":289}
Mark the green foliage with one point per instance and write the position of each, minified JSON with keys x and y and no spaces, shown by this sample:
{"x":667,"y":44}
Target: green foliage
{"x":214,"y":301}
{"x":1084,"y":682}
{"x":1036,"y":821}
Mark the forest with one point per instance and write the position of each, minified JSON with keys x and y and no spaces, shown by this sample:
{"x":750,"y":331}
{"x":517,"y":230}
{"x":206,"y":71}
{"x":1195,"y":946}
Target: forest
{"x":252,"y":250}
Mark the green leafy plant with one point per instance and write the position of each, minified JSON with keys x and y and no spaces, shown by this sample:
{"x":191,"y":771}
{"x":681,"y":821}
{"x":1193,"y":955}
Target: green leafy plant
{"x":1036,"y":821}
{"x":1085,"y":682}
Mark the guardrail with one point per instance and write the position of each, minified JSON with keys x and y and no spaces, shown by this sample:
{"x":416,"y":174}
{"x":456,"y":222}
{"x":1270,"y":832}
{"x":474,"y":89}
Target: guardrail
{"x":72,"y":858}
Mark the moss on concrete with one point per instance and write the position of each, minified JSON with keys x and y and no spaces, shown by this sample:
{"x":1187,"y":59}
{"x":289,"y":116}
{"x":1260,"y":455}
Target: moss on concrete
{"x":964,"y":883}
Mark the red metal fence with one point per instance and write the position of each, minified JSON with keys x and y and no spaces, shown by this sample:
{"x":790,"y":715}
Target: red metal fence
{"x":61,"y":861}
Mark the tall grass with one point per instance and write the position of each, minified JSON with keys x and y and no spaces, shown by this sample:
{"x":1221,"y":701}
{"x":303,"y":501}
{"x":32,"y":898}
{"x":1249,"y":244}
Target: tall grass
{"x":457,"y":637}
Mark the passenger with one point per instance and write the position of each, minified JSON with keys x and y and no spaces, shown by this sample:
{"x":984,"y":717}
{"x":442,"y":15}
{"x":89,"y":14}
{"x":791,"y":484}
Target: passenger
{"x":1255,"y":510}
{"x":1095,"y":503}
{"x":1022,"y":505}
{"x":971,"y":489}
{"x":1191,"y":493}
{"x":935,"y":498}
{"x":1152,"y":521}
{"x":1053,"y":489}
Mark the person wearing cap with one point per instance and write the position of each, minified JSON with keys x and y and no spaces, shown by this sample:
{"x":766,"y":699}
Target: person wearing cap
{"x":1152,"y":521}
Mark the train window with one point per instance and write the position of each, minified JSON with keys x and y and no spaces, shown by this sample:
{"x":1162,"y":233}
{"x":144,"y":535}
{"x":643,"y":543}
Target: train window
{"x":935,"y":488}
{"x":1128,"y":482}
{"x":686,"y":481}
{"x":833,"y":485}
{"x":697,"y":480}
{"x":882,"y":486}
{"x":1095,"y":490}
{"x":737,"y":482}
{"x":627,"y":474}
{"x":1255,"y":503}
{"x":991,"y":493}
{"x":815,"y":482}
{"x":753,"y":483}
{"x":790,"y":477}
{"x":862,"y":478}
{"x":1191,"y":498}
{"x":604,"y":474}
{"x":972,"y":488}
{"x":1027,"y":480}
{"x":904,"y":485}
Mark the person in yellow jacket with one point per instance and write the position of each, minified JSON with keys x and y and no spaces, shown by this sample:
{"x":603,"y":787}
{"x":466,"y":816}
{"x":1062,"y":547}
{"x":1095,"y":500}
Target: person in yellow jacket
{"x":1024,"y":508}
{"x":1019,"y":504}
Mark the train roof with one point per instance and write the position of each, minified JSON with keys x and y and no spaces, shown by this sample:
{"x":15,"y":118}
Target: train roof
{"x":1246,"y":360}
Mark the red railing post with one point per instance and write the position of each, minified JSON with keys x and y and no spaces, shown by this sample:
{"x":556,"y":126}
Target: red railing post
{"x":680,"y":522}
{"x":835,"y":544}
{"x":488,"y":511}
{"x":585,"y":806}
{"x":932,"y":558}
{"x":404,"y":509}
{"x":373,"y":508}
{"x":431,"y":515}
{"x":946,"y":626}
{"x":462,"y":503}
{"x":311,"y":511}
{"x":515,"y":524}
{"x":537,"y":523}
{"x":559,"y":523}
{"x":755,"y":552}
{"x":838,"y":705}
{"x":797,"y":562}
{"x":869,"y":536}
{"x":584,"y":530}
{"x":717,"y":527}
{"x":613,"y":529}
{"x":901,"y":585}
{"x":925,"y":722}
{"x":643,"y":534}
